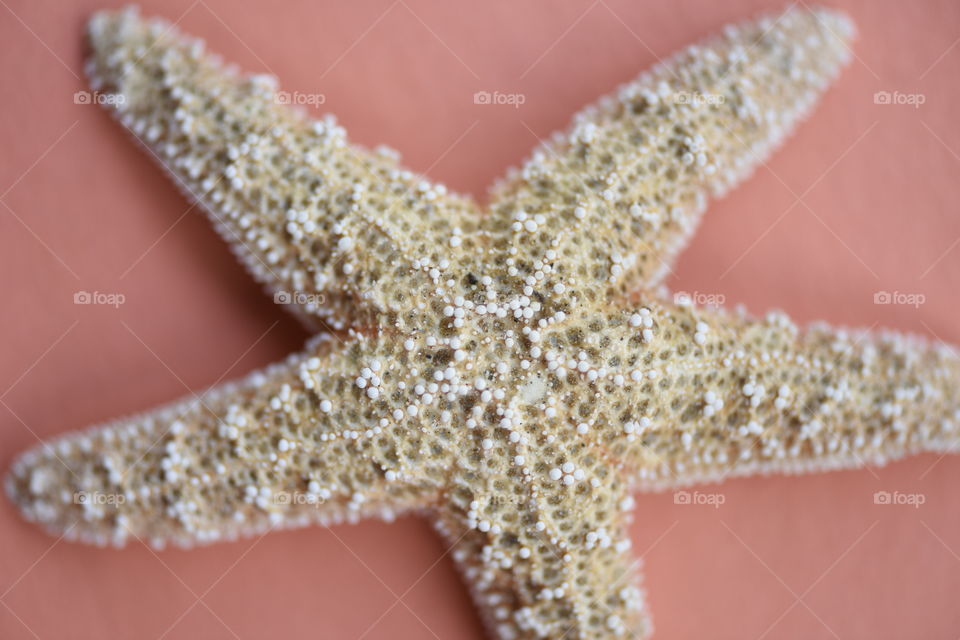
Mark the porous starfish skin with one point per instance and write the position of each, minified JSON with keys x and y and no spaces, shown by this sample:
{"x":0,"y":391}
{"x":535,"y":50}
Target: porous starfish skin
{"x":514,"y":374}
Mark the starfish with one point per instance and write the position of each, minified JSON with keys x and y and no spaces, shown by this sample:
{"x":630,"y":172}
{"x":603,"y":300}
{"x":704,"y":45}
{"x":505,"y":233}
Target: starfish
{"x":515,"y":374}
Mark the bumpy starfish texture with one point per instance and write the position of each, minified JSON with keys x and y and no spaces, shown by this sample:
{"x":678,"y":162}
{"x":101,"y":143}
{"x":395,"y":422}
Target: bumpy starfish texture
{"x":488,"y":369}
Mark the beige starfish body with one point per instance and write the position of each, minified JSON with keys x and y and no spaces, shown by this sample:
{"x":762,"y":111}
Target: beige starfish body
{"x":489,"y":370}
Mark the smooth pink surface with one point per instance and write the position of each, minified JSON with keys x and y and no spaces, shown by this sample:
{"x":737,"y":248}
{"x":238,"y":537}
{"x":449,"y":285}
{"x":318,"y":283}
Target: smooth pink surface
{"x":84,"y":209}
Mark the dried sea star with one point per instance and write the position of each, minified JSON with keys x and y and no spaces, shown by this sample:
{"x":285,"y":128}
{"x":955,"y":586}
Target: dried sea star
{"x":503,"y":381}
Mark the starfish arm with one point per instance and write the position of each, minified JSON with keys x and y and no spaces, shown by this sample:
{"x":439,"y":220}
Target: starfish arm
{"x":544,"y":558}
{"x":687,"y":395}
{"x":299,"y":442}
{"x":607,"y":205}
{"x":329,"y":228}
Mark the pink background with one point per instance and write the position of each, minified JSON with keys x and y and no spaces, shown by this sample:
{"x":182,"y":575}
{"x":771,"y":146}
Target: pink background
{"x":84,"y":209}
